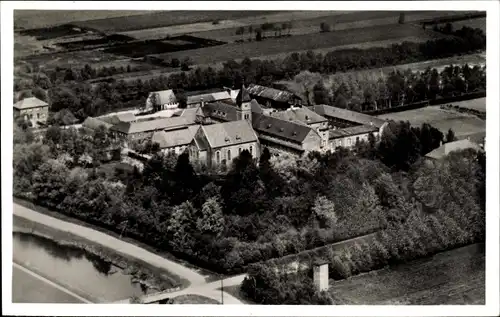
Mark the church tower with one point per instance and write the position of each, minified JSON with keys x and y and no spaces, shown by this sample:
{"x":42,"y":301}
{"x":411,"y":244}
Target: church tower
{"x":243,"y":100}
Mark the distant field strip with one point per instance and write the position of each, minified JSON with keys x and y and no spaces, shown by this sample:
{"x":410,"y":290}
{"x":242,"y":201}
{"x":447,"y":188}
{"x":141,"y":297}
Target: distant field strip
{"x":211,"y":55}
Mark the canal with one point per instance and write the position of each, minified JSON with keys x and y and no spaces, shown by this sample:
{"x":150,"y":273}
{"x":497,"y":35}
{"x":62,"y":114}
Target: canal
{"x":47,"y":272}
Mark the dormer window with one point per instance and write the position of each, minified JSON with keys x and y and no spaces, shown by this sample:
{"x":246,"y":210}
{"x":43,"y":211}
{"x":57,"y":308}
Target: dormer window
{"x":281,"y":129}
{"x":238,"y":137}
{"x":294,"y":133}
{"x":307,"y":118}
{"x":226,"y":139}
{"x":269,"y":126}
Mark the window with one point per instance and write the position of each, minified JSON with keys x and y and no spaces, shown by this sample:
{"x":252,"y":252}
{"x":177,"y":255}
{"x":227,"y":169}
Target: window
{"x":217,"y":157}
{"x":251,"y":150}
{"x":239,"y":151}
{"x":229,"y":155}
{"x":38,"y":116}
{"x":357,"y":139}
{"x":246,"y":116}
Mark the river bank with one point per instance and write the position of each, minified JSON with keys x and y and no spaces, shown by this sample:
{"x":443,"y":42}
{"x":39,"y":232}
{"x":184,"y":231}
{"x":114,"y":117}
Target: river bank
{"x":152,"y":278}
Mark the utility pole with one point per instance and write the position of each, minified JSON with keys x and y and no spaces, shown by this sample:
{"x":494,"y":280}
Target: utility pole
{"x":222,"y":289}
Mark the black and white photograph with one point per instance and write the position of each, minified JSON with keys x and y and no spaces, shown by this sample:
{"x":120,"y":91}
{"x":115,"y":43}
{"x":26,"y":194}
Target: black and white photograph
{"x":247,"y":155}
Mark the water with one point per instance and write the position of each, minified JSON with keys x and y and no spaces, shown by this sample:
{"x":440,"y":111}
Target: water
{"x":74,"y":269}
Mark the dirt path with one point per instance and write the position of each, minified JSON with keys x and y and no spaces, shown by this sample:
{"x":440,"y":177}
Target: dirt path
{"x":120,"y":246}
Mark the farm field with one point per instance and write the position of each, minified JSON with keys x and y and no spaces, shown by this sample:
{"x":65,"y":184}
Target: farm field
{"x":74,"y":59}
{"x":462,"y":124}
{"x":28,"y":19}
{"x":163,"y":18}
{"x":475,"y":104}
{"x":455,"y":277}
{"x":337,"y":22}
{"x":479,"y":23}
{"x":267,"y":47}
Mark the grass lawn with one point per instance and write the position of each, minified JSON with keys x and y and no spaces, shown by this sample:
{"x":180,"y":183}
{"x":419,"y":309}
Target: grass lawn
{"x":476,"y":104}
{"x":455,"y":277}
{"x":462,"y":124}
{"x":194,"y":299}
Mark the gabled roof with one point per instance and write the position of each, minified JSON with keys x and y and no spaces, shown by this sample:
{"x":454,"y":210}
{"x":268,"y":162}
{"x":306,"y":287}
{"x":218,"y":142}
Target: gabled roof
{"x":174,"y":137}
{"x":118,"y":117}
{"x":271,"y":93}
{"x":201,"y":143}
{"x":209,"y":97}
{"x":221,"y":110}
{"x":348,"y":115}
{"x":189,"y":113}
{"x":150,"y":125}
{"x":288,"y":130}
{"x":31,"y":102}
{"x":229,"y":133}
{"x":165,"y":96}
{"x":351,"y":131}
{"x":299,"y":115}
{"x":447,"y":148}
{"x":93,"y":123}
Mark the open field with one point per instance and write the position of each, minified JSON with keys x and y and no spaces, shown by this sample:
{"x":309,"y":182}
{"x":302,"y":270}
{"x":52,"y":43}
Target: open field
{"x":177,"y":44}
{"x":337,"y":21}
{"x":194,"y":299}
{"x":454,"y":277}
{"x":267,"y":47}
{"x":462,"y":124}
{"x":74,"y":59}
{"x":479,"y":23}
{"x":28,"y":19}
{"x":227,"y":27}
{"x":156,"y":19}
{"x":475,"y":104}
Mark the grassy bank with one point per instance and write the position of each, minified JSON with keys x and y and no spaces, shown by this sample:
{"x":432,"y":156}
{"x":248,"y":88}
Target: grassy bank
{"x":152,"y":277}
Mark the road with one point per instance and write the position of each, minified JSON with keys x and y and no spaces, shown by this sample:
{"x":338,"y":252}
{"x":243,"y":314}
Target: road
{"x":29,"y":287}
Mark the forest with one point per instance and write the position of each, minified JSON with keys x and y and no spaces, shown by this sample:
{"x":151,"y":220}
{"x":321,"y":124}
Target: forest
{"x":280,"y":206}
{"x":67,"y":89}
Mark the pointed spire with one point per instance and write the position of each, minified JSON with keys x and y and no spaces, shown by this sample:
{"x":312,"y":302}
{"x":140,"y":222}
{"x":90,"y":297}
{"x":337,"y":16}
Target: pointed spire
{"x":243,"y":96}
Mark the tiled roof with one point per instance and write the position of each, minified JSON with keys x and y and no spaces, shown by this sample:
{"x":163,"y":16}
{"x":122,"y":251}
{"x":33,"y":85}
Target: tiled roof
{"x":165,"y":96}
{"x":256,"y":107}
{"x":189,"y":113}
{"x":119,"y":117}
{"x":299,"y":114}
{"x":229,"y":133}
{"x":270,"y":93}
{"x":348,"y":115}
{"x":210,"y":97}
{"x":446,"y":148}
{"x":351,"y":131}
{"x":94,"y":123}
{"x":31,"y":102}
{"x":221,"y":110}
{"x":175,"y":137}
{"x":291,"y":131}
{"x":150,"y":125}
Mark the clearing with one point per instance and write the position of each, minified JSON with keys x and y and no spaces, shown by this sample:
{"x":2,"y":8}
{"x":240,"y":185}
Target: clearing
{"x":475,"y":104}
{"x":461,"y":123}
{"x":454,"y":277}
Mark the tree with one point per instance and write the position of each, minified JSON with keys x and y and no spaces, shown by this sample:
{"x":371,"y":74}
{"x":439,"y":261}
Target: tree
{"x":185,"y":64}
{"x":320,"y":94}
{"x":181,"y":226}
{"x":48,"y":183}
{"x":324,"y":211}
{"x":175,"y":62}
{"x":450,"y":136}
{"x":154,"y":100}
{"x":211,"y":221}
{"x":258,"y":34}
{"x":324,"y":27}
{"x":240,"y":31}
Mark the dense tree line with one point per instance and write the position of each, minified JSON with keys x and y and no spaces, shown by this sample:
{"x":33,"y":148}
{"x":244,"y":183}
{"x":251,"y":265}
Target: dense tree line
{"x":260,"y":208}
{"x":449,"y":213}
{"x":84,"y":99}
